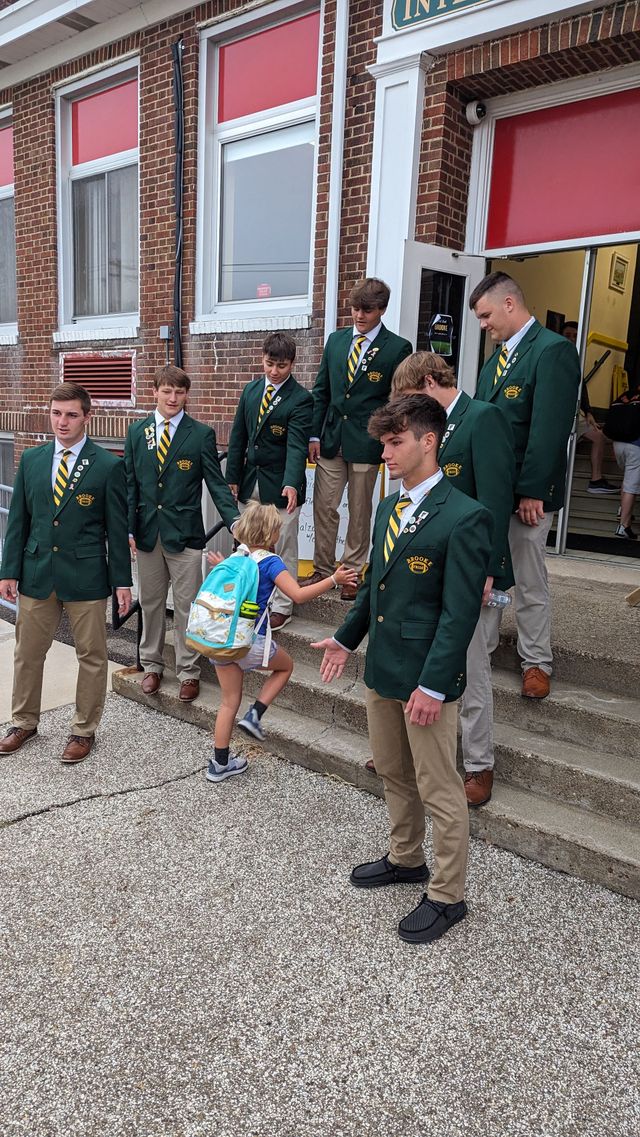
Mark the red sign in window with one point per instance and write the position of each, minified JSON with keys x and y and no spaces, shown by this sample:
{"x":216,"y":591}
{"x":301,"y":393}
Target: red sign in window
{"x":105,"y":123}
{"x":279,"y":65}
{"x":6,"y":156}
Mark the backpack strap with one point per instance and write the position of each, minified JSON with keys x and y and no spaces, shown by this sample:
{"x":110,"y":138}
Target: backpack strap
{"x":260,"y":555}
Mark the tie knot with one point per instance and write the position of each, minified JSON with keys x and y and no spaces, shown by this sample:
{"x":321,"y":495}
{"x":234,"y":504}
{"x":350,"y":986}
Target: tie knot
{"x":66,"y":453}
{"x":167,"y":421}
{"x":270,"y":389}
{"x":403,"y":502}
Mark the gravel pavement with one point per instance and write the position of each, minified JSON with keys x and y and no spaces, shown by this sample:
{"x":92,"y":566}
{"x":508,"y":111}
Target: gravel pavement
{"x":180,"y":959}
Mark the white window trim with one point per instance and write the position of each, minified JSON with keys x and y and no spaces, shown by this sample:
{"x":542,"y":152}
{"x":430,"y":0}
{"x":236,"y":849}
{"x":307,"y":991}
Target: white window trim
{"x":522,"y":102}
{"x":8,"y":331}
{"x":122,"y":324}
{"x":212,"y":315}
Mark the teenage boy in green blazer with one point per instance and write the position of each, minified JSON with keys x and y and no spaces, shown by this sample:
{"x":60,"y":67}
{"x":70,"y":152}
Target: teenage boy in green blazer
{"x":167,"y":457}
{"x":353,"y":381}
{"x":534,"y":378}
{"x":66,"y":547}
{"x":476,"y":454}
{"x":419,"y":605}
{"x":267,"y":454}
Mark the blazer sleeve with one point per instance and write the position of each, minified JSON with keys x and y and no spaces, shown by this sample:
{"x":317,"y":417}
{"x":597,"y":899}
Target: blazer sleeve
{"x":554,"y":406}
{"x":116,"y":525}
{"x":238,"y":442}
{"x":298,"y":434}
{"x":465,"y":571}
{"x":214,"y":481}
{"x":321,"y":394}
{"x":18,"y":526}
{"x":494,"y":471}
{"x":133,"y":489}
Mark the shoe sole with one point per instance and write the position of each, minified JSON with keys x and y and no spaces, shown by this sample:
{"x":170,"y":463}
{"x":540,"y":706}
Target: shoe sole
{"x":281,"y":626}
{"x":357,"y":883}
{"x":225,"y":774}
{"x":428,"y":936}
{"x":477,"y":804}
{"x":255,"y":732}
{"x":604,"y":493}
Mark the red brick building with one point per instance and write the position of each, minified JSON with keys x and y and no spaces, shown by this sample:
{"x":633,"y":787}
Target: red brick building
{"x":316,"y":142}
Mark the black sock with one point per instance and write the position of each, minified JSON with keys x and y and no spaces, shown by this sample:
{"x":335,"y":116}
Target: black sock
{"x":221,"y":755}
{"x":260,"y":708}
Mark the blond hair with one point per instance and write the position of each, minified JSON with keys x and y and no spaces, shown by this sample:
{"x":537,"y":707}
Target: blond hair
{"x":259,"y":526}
{"x":411,"y":374}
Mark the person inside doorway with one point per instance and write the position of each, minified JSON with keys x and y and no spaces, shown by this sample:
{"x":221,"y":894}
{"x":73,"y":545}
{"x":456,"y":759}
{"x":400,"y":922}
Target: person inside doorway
{"x":588,"y":428}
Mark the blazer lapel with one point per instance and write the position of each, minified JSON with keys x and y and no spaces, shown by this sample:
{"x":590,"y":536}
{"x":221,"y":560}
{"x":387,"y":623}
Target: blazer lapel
{"x":150,"y":440}
{"x":516,"y":356}
{"x":276,"y":401}
{"x":183,"y":430}
{"x":423,"y":513}
{"x":82,"y":464}
{"x":368,"y":358}
{"x":454,"y":420}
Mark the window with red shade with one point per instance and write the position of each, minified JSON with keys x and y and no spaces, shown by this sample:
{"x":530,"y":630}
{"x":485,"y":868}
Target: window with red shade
{"x":98,"y":190}
{"x":8,"y":305}
{"x":259,"y":158}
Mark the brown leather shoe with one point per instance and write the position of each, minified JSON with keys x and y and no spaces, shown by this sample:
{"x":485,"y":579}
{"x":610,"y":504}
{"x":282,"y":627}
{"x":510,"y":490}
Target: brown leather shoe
{"x":315,"y":578}
{"x":535,"y":683}
{"x":478,"y":786}
{"x":15,"y":738}
{"x":349,"y":592}
{"x":151,"y":682}
{"x":189,"y":690}
{"x":370,"y":766}
{"x":77,"y":748}
{"x":278,"y":620}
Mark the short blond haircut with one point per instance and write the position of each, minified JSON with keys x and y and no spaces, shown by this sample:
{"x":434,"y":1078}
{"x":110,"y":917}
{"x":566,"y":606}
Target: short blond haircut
{"x":411,"y":374}
{"x":259,"y":526}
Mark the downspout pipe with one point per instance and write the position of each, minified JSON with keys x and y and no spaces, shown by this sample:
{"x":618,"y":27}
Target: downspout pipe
{"x":178,"y":105}
{"x":336,"y":166}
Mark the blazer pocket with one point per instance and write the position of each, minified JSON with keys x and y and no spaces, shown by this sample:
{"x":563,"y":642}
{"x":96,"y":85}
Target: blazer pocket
{"x":418,"y":629}
{"x":90,"y":551}
{"x":31,"y":546}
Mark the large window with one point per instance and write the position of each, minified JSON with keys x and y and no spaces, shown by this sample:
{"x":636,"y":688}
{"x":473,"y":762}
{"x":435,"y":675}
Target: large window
{"x":257,"y":173}
{"x":98,"y":128}
{"x":8,"y":308}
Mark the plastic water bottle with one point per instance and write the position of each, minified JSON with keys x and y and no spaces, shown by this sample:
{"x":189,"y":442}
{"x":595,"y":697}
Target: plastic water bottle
{"x":498,"y":599}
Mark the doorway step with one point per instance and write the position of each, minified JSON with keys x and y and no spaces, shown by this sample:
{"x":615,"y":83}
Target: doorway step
{"x":567,"y":790}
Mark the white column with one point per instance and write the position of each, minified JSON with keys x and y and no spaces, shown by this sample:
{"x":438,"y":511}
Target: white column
{"x":394,"y":179}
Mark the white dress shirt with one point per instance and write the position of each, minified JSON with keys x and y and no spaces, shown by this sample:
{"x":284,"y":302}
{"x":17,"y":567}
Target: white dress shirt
{"x":174,"y":423}
{"x":449,"y":409}
{"x":512,"y":343}
{"x":73,"y":452}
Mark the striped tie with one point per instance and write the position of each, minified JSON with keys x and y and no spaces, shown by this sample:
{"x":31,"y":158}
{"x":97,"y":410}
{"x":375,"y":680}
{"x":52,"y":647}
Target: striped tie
{"x":266,"y":399}
{"x":164,"y":443}
{"x":354,"y":358}
{"x":62,"y":477}
{"x":393,"y":528}
{"x":502,"y":363}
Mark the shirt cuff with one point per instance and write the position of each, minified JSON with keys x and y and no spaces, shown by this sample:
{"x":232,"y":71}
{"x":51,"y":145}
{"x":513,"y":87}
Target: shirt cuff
{"x":314,"y":438}
{"x":432,"y":694}
{"x":342,"y":646}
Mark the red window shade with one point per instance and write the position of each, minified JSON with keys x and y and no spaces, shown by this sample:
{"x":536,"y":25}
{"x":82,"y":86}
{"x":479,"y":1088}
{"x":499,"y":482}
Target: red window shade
{"x":279,"y":65}
{"x":566,"y":172}
{"x":6,"y":156}
{"x":105,"y":123}
{"x":107,"y":377}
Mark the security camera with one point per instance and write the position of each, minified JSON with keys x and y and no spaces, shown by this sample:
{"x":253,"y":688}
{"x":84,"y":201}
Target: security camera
{"x":475,"y":112}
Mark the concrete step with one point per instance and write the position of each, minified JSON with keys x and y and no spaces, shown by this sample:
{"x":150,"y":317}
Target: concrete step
{"x":568,"y":837}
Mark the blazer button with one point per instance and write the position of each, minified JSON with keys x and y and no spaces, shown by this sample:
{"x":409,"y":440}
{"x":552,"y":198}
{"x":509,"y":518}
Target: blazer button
{"x":160,"y":485}
{"x":159,"y":507}
{"x":56,"y":523}
{"x":55,"y":548}
{"x":347,"y":396}
{"x":381,"y":587}
{"x":380,"y":619}
{"x":345,"y":417}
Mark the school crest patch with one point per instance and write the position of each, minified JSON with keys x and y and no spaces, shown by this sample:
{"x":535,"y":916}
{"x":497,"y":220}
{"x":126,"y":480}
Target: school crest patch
{"x":512,"y":392}
{"x":452,"y":469}
{"x":375,"y":376}
{"x":85,"y":499}
{"x":276,"y":429}
{"x":184,"y":464}
{"x":419,"y":565}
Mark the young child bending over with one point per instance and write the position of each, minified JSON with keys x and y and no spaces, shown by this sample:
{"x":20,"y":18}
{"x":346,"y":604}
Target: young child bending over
{"x":259,"y":528}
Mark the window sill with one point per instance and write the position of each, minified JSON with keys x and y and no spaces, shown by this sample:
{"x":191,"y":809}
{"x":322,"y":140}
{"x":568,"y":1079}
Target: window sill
{"x":8,"y":335}
{"x":266,"y":323}
{"x":77,"y":334}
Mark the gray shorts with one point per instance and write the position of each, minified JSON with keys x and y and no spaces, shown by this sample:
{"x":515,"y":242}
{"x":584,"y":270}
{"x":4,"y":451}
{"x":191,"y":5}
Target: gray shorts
{"x":628,"y":459}
{"x":252,"y":661}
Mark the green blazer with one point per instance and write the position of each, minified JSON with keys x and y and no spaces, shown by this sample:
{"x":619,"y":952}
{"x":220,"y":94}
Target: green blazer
{"x":342,"y":410}
{"x":275,"y":454}
{"x":538,"y":393}
{"x":421,"y":608}
{"x":169,"y":504}
{"x":78,"y":549}
{"x":476,"y":454}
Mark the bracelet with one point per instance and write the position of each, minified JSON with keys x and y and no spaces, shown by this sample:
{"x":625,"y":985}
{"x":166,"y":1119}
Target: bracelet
{"x":333,"y":579}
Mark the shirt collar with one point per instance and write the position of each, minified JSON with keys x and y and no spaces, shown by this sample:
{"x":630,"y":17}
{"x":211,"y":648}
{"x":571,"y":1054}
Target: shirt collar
{"x":173,"y":422}
{"x":513,"y":342}
{"x":276,"y":386}
{"x":75,"y":449}
{"x":452,"y":405}
{"x":369,"y":336}
{"x":418,"y":492}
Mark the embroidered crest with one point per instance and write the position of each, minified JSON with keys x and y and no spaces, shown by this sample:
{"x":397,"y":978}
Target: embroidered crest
{"x":452,"y":469}
{"x":184,"y":464}
{"x":419,"y":565}
{"x":85,"y":498}
{"x":375,"y":376}
{"x":276,"y":429}
{"x":512,"y":392}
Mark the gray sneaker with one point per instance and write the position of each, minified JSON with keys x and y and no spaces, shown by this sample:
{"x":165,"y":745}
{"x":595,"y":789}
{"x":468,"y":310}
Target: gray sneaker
{"x":251,"y":724}
{"x":217,"y":772}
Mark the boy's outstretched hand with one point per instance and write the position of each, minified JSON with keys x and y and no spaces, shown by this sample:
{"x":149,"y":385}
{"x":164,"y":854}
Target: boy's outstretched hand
{"x":344,"y":575}
{"x":214,"y":559}
{"x":333,"y":660}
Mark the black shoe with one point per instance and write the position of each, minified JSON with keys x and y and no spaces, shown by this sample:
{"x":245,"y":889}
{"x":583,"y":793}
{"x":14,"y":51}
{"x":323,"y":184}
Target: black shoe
{"x":374,"y":874}
{"x":430,"y":920}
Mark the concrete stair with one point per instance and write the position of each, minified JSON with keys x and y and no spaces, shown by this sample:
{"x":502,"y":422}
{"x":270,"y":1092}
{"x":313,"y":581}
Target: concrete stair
{"x":567,"y":790}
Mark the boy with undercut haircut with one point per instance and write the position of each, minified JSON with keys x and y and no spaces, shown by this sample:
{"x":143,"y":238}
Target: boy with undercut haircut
{"x":267,"y":454}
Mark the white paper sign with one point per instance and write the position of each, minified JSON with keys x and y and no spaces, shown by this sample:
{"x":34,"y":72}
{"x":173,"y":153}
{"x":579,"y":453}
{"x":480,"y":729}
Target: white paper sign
{"x":305,"y":523}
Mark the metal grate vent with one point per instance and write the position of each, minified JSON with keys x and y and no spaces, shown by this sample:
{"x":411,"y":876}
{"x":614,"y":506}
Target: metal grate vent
{"x":109,"y":377}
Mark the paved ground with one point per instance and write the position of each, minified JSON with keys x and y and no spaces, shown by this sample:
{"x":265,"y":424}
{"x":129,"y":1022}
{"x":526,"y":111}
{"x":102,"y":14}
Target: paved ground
{"x":181,"y":960}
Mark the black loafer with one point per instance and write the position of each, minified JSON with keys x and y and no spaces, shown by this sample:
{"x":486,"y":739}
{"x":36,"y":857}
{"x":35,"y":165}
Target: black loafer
{"x":375,"y":874}
{"x":430,"y":920}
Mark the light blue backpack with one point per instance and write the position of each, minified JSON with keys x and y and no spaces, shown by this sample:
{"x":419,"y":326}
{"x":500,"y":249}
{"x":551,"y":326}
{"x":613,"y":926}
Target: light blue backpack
{"x":222,"y":620}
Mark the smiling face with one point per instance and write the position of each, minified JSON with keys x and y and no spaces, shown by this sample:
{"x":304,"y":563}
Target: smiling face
{"x":68,"y":421}
{"x":366,"y":319}
{"x":409,"y":458}
{"x":170,"y":400}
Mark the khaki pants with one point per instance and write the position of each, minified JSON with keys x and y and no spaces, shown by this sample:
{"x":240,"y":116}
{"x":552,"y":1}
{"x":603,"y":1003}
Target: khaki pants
{"x":417,"y":765}
{"x":528,"y":545}
{"x":156,"y":570}
{"x":286,"y":547}
{"x":476,"y":705}
{"x":332,"y":475}
{"x":36,"y":625}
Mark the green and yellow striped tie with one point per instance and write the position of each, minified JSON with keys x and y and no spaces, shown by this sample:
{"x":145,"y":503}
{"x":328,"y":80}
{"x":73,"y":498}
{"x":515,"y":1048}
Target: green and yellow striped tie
{"x":502,"y":363}
{"x":393,"y":528}
{"x":62,"y":477}
{"x":164,"y":444}
{"x":354,"y":358}
{"x":266,"y":399}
